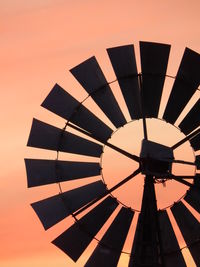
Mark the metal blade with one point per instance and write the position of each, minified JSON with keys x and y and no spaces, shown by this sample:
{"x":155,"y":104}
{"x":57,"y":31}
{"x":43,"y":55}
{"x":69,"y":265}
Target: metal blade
{"x":91,"y":77}
{"x":54,"y":209}
{"x":193,"y":194}
{"x":195,"y":142}
{"x":108,"y":251}
{"x":154,"y":60}
{"x":186,"y":83}
{"x":124,"y":64}
{"x":76,"y":239}
{"x":46,"y":136}
{"x":190,"y":229}
{"x":197,"y":162}
{"x":194,"y":250}
{"x":191,"y":120}
{"x":63,"y":104}
{"x":171,"y":249}
{"x":43,"y":172}
{"x":193,"y":198}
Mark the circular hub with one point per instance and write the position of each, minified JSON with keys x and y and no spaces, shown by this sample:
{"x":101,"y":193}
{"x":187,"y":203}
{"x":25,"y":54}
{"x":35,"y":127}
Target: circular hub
{"x":156,"y":159}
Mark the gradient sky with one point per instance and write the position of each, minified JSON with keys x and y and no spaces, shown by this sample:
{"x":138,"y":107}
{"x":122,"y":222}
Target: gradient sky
{"x":40,"y":42}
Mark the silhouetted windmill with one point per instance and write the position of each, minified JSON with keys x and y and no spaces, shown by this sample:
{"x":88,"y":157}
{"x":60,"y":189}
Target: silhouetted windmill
{"x":154,"y":243}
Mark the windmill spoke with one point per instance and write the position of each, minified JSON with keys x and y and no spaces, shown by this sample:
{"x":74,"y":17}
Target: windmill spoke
{"x":180,"y":162}
{"x":182,"y":181}
{"x":123,"y":152}
{"x":172,"y":176}
{"x":188,"y":137}
{"x":183,"y":176}
{"x":128,"y":178}
{"x":183,"y":162}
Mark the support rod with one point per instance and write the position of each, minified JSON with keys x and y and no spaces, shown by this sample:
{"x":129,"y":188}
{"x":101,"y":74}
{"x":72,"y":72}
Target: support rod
{"x":147,"y":247}
{"x":190,"y":136}
{"x":182,"y":181}
{"x":123,"y":152}
{"x":128,"y":178}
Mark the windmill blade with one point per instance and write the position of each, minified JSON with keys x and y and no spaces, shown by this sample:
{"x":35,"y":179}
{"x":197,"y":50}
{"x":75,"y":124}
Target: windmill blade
{"x":195,"y":142}
{"x":83,"y":231}
{"x":197,"y":162}
{"x":193,"y":194}
{"x":190,"y":229}
{"x":197,"y":180}
{"x":43,"y":172}
{"x":186,"y":83}
{"x":193,"y":198}
{"x":91,"y":77}
{"x":154,"y":60}
{"x":63,"y":104}
{"x":171,"y":250}
{"x":108,"y":251}
{"x":124,"y":64}
{"x":191,"y":120}
{"x":46,"y":136}
{"x":53,"y":209}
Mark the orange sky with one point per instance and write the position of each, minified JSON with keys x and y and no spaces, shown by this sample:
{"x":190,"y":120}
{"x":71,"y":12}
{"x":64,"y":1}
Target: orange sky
{"x":40,"y":42}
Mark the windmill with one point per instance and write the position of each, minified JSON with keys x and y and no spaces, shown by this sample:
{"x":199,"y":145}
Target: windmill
{"x":92,"y":204}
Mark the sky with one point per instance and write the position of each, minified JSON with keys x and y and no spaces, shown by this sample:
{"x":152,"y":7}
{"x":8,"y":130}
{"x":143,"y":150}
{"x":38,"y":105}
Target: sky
{"x":40,"y":42}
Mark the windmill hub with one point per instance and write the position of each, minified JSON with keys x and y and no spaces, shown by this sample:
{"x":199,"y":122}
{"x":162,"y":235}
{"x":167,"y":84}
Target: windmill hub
{"x":156,"y":159}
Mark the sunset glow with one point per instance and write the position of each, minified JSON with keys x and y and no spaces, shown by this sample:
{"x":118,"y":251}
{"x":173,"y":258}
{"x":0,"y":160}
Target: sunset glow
{"x":41,"y":41}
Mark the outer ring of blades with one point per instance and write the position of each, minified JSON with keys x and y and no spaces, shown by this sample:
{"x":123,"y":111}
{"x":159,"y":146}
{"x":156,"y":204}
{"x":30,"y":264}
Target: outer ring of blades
{"x":57,"y":157}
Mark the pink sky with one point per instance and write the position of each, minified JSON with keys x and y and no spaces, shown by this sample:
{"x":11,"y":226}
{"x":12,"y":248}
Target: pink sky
{"x":40,"y":42}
